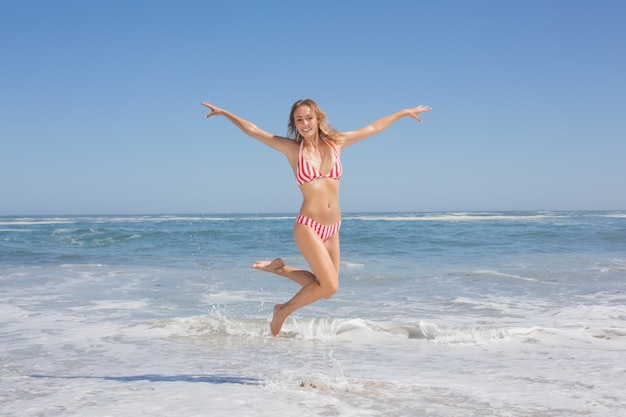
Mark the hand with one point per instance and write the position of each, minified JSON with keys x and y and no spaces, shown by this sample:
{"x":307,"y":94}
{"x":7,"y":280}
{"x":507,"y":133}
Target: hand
{"x":414,"y":112}
{"x":215,"y":111}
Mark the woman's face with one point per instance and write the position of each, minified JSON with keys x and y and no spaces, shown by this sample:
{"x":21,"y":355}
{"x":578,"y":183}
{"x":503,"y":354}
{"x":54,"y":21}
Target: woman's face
{"x":305,"y":121}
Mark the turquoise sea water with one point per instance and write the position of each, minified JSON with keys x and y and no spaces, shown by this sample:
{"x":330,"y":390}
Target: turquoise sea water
{"x":439,"y":314}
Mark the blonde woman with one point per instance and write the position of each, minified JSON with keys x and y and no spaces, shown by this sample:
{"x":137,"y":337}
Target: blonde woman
{"x":313,"y":150}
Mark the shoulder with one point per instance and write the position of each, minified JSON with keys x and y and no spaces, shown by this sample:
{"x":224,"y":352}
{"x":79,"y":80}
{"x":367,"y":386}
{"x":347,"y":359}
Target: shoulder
{"x":281,"y":144}
{"x":336,"y":140}
{"x":289,"y":147}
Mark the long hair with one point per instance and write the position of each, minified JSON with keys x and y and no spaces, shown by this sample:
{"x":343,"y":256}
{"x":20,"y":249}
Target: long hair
{"x":325,"y":130}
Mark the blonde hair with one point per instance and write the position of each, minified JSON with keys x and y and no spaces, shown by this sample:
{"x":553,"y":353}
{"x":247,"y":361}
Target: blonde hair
{"x":325,"y":130}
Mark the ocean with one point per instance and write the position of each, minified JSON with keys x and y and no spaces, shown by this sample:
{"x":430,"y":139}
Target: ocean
{"x":437,"y":314}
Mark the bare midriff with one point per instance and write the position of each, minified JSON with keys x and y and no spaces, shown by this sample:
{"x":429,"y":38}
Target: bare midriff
{"x":321,"y":200}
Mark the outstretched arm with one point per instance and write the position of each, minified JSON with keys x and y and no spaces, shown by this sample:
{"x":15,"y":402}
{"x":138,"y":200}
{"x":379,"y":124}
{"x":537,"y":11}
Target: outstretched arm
{"x":279,"y":143}
{"x":355,"y":136}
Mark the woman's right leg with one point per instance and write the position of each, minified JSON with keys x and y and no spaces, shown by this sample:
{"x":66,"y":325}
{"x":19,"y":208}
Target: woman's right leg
{"x":277,"y":267}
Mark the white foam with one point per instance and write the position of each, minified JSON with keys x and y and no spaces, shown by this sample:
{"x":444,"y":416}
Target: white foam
{"x":31,"y":222}
{"x":67,"y":363}
{"x":352,"y":265}
{"x":614,"y":215}
{"x":112,"y":305}
{"x":503,"y":275}
{"x":453,"y":217}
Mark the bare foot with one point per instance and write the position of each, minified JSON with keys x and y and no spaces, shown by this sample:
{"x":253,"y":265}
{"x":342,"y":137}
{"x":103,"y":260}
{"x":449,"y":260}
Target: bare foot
{"x":274,"y":266}
{"x":277,"y":320}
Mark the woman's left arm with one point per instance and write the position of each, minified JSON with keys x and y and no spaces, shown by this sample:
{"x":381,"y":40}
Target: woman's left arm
{"x":355,"y":136}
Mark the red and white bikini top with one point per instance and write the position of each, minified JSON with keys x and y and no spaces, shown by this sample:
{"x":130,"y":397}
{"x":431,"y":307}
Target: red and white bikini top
{"x":307,"y":172}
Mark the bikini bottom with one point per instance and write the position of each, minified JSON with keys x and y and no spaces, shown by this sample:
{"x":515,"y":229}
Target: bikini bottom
{"x":325,"y":232}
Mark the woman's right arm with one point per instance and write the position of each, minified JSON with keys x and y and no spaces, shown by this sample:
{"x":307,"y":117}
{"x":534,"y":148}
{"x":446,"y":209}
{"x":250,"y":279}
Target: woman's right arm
{"x":279,"y":143}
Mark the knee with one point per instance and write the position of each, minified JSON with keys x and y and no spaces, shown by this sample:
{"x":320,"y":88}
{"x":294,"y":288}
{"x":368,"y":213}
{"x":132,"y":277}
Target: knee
{"x":330,"y":289}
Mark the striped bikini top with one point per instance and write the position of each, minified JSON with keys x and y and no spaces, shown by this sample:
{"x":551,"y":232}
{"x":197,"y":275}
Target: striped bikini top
{"x":307,"y":172}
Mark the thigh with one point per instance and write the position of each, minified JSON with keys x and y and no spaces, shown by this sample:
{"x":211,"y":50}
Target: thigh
{"x":322,"y":257}
{"x":332,"y":246}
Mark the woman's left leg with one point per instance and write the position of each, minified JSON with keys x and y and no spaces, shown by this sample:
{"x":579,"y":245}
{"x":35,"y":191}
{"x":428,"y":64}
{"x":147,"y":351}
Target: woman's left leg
{"x":323,"y":258}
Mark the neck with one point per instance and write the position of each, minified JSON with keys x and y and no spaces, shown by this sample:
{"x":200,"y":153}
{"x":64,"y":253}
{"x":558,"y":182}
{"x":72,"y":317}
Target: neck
{"x":314,"y":141}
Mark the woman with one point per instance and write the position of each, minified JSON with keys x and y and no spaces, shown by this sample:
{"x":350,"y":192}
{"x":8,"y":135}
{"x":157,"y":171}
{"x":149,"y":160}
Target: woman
{"x":312,"y":149}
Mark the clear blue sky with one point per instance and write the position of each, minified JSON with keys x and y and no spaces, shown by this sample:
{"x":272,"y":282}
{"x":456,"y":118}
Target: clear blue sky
{"x":100,"y":103}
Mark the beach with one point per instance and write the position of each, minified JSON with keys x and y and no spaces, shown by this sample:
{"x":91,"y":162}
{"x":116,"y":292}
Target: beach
{"x":437,"y":314}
